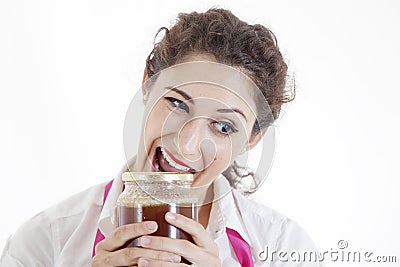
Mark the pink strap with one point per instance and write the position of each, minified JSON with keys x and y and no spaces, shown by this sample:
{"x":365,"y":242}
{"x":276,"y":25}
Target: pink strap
{"x":240,"y":246}
{"x":99,"y":234}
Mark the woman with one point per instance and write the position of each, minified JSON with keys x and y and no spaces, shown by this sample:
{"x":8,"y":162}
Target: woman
{"x":193,"y":127}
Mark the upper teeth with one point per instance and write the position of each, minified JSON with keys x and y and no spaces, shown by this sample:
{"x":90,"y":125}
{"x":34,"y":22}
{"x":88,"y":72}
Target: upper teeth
{"x":172,"y":162}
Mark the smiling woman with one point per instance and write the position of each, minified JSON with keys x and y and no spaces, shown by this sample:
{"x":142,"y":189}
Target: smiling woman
{"x":211,"y":89}
{"x":202,"y":123}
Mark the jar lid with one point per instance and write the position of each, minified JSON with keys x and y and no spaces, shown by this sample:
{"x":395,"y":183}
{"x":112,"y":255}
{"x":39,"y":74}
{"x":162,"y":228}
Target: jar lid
{"x":157,"y":176}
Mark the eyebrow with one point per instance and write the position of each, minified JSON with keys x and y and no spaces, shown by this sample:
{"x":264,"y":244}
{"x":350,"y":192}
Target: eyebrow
{"x":186,"y":96}
{"x":189,"y":98}
{"x":229,"y":110}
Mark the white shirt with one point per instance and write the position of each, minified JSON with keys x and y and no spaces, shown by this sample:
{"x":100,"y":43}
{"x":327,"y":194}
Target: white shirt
{"x":64,"y":234}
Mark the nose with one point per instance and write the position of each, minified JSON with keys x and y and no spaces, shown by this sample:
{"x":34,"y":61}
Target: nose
{"x":190,"y":136}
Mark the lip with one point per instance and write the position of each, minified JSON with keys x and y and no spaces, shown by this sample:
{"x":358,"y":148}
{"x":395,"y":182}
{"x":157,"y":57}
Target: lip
{"x":175,"y":159}
{"x":153,"y":168}
{"x":172,"y":157}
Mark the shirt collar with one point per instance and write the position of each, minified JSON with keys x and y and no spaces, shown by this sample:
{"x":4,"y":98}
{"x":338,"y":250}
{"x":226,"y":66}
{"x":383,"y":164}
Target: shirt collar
{"x":108,"y":214}
{"x":224,"y":211}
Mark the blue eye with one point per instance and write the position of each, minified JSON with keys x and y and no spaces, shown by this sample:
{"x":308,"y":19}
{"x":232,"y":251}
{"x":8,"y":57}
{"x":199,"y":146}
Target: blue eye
{"x":224,"y":128}
{"x":176,"y":103}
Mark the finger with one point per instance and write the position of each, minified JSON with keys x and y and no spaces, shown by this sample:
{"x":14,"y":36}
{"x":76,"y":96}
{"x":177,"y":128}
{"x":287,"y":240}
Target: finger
{"x":181,"y":247}
{"x":195,"y":229}
{"x":130,"y":256}
{"x":145,"y":262}
{"x":124,"y":233}
{"x":115,"y":218}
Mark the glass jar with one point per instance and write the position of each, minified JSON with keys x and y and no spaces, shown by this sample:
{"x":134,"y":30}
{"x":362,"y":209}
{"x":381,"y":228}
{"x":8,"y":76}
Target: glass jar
{"x":147,"y":196}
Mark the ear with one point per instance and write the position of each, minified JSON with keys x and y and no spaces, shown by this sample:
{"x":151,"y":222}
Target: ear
{"x":145,"y":92}
{"x":255,"y":139}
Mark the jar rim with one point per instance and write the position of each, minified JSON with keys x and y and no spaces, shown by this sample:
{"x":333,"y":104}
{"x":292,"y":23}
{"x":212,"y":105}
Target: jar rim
{"x":157,"y":176}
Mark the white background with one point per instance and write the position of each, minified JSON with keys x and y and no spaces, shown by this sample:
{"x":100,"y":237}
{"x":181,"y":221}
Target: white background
{"x":68,"y":71}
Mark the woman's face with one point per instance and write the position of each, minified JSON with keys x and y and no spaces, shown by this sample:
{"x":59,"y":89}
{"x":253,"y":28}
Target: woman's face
{"x":196,"y":127}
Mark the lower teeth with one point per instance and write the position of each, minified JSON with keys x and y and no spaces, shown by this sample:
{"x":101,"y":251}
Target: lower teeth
{"x":157,"y":166}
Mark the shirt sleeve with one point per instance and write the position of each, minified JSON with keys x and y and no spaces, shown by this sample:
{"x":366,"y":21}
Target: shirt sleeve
{"x":31,"y":245}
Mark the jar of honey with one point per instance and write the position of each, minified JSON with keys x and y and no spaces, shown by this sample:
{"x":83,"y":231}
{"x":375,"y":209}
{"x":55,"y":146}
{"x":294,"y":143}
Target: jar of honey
{"x":147,"y":196}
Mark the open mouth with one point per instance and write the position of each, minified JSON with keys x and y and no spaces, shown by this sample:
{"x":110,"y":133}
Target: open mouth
{"x":163,"y":161}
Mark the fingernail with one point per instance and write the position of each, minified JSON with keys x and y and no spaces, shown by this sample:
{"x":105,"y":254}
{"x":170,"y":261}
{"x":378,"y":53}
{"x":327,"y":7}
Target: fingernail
{"x":151,"y":225}
{"x":144,"y":240}
{"x":171,"y":216}
{"x":143,"y":263}
{"x":175,"y":258}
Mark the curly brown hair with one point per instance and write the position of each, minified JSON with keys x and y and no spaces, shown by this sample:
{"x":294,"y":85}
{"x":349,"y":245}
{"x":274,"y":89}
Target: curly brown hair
{"x":252,"y":48}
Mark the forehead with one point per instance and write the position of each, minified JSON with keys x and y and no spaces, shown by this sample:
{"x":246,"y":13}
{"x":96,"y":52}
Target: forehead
{"x":205,"y":79}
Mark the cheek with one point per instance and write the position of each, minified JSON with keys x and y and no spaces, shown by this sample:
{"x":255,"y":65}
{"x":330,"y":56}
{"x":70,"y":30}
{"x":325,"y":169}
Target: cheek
{"x":223,"y":157}
{"x":153,"y":125}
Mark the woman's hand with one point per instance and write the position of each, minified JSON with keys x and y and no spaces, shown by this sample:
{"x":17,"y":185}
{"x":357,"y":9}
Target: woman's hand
{"x":204,"y":253}
{"x":109,"y":252}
